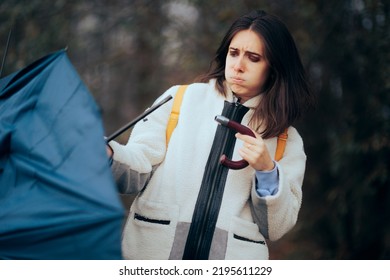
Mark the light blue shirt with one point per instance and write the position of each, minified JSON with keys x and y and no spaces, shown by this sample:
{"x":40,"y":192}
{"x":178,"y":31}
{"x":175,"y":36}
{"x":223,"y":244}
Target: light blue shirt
{"x":267,"y":182}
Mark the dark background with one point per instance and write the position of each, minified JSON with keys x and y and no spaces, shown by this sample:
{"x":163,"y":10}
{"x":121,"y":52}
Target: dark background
{"x":129,"y":52}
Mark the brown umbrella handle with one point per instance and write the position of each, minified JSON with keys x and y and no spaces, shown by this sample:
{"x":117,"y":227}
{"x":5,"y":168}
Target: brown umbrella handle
{"x":241,"y":129}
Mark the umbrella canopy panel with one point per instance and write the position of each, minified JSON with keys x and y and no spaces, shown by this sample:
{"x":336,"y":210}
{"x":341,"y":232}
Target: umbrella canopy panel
{"x":58,"y":199}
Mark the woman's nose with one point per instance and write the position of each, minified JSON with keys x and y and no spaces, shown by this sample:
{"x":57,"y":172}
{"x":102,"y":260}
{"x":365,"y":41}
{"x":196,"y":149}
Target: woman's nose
{"x":238,"y":65}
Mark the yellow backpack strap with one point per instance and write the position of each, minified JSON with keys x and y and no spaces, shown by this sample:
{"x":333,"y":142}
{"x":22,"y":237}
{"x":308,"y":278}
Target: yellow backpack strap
{"x":281,"y":145}
{"x":174,"y":117}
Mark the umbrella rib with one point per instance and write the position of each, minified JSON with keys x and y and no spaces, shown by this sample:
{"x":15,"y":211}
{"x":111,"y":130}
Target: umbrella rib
{"x":5,"y":52}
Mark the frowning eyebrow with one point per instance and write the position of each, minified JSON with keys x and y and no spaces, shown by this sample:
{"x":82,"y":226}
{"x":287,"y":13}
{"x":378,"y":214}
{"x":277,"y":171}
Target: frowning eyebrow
{"x":247,"y":52}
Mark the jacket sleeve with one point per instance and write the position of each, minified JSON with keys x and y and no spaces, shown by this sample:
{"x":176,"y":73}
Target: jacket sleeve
{"x":277,"y":214}
{"x":133,"y":163}
{"x":127,"y":180}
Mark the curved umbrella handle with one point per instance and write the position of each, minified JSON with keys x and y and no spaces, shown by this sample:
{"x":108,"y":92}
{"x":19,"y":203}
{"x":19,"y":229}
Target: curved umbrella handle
{"x":241,"y":129}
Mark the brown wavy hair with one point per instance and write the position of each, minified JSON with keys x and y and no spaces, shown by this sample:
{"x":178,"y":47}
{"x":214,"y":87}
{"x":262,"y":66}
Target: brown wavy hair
{"x":287,"y":94}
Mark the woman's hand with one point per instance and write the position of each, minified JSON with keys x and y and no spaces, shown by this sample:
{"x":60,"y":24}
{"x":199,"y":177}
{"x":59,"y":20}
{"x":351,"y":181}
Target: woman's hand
{"x":255,"y":152}
{"x":110,"y":152}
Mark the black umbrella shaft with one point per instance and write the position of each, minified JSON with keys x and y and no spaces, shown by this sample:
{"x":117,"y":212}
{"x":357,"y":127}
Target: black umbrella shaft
{"x":140,"y":117}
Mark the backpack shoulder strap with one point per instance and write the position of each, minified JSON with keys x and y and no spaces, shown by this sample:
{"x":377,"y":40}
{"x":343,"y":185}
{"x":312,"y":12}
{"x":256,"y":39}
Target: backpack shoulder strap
{"x":174,"y":117}
{"x":281,"y":145}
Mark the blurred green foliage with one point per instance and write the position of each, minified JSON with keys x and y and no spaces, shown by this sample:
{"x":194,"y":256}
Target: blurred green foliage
{"x":129,"y":52}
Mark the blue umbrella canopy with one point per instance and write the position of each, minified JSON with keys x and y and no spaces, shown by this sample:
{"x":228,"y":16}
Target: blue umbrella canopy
{"x":58,"y":199}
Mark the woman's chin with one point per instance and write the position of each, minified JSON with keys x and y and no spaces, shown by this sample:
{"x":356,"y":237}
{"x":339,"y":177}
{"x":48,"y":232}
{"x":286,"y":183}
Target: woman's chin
{"x":237,"y":89}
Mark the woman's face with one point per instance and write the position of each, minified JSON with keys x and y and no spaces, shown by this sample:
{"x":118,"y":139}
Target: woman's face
{"x":246,"y":70}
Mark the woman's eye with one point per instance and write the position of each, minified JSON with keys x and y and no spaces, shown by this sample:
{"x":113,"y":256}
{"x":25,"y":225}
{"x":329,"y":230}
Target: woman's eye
{"x":233,"y":53}
{"x":254,"y":58}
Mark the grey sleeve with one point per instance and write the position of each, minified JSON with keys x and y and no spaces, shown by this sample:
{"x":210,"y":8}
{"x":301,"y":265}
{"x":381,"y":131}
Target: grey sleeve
{"x":127,"y":180}
{"x":260,"y":213}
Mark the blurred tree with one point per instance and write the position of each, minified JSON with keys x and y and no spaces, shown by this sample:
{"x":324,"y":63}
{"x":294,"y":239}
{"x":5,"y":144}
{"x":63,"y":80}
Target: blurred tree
{"x":32,"y":36}
{"x":346,"y":196}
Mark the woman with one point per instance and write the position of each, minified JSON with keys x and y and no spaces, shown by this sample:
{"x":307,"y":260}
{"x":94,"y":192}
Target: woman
{"x":189,"y":205}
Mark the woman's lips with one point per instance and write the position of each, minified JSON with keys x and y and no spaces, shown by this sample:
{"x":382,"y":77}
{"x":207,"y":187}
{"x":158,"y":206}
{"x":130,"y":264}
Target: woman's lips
{"x":237,"y":80}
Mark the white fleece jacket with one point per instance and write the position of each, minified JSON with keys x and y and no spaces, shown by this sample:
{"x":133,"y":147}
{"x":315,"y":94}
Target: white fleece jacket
{"x":168,"y":181}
